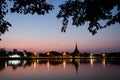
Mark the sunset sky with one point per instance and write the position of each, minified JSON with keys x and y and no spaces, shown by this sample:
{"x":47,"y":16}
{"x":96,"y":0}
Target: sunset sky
{"x":42,"y":33}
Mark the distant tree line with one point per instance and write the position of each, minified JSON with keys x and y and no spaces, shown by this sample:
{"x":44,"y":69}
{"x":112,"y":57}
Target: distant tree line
{"x":53,"y":54}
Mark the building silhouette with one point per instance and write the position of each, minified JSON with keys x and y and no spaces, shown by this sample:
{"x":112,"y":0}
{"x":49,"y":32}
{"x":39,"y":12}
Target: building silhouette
{"x":75,"y":53}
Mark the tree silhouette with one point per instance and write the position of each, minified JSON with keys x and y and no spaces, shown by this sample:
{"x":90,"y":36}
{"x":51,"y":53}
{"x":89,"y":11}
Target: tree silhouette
{"x":3,"y":23}
{"x":81,"y":11}
{"x":22,"y":7}
{"x":91,"y":11}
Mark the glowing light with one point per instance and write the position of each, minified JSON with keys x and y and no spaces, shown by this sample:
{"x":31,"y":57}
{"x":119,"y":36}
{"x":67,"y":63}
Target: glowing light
{"x":48,"y":65}
{"x":91,"y":62}
{"x":103,"y":62}
{"x":34,"y":53}
{"x":14,"y":56}
{"x":48,"y":53}
{"x":24,"y":54}
{"x":34,"y":64}
{"x":103,"y":55}
{"x":14,"y":62}
{"x":24,"y":62}
{"x":64,"y":64}
{"x":5,"y":64}
{"x":91,"y":55}
{"x":64,"y":53}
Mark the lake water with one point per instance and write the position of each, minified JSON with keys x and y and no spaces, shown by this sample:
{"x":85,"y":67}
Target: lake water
{"x":60,"y":69}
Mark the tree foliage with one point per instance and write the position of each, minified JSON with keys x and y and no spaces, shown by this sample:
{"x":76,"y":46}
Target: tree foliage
{"x":81,"y":11}
{"x":22,"y":7}
{"x":91,"y":11}
{"x":31,"y":6}
{"x":3,"y":23}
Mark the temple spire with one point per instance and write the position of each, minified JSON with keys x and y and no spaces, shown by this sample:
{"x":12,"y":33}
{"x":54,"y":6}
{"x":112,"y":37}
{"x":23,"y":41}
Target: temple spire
{"x":76,"y":48}
{"x":76,"y":51}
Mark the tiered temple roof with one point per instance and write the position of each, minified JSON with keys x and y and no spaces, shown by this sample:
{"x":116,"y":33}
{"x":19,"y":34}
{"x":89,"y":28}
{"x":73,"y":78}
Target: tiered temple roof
{"x":76,"y":51}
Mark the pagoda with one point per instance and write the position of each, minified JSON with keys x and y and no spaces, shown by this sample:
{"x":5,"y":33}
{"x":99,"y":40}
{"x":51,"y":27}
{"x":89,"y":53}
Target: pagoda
{"x":75,"y":52}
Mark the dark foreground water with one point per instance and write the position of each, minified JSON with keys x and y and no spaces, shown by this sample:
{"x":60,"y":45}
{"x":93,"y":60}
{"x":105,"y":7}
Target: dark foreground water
{"x":60,"y":69}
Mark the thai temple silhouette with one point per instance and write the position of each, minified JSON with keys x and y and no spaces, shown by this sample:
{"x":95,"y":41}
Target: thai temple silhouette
{"x":15,"y":54}
{"x":76,"y":52}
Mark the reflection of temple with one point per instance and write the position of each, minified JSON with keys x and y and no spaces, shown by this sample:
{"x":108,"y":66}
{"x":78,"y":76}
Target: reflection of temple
{"x":15,"y":64}
{"x":75,"y":63}
{"x":76,"y":53}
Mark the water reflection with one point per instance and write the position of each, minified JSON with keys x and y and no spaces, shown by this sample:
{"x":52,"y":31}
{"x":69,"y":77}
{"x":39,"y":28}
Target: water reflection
{"x":104,"y":62}
{"x":64,"y":64}
{"x":91,"y":62}
{"x":60,"y":69}
{"x":14,"y":62}
{"x":54,"y":62}
{"x":48,"y":65}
